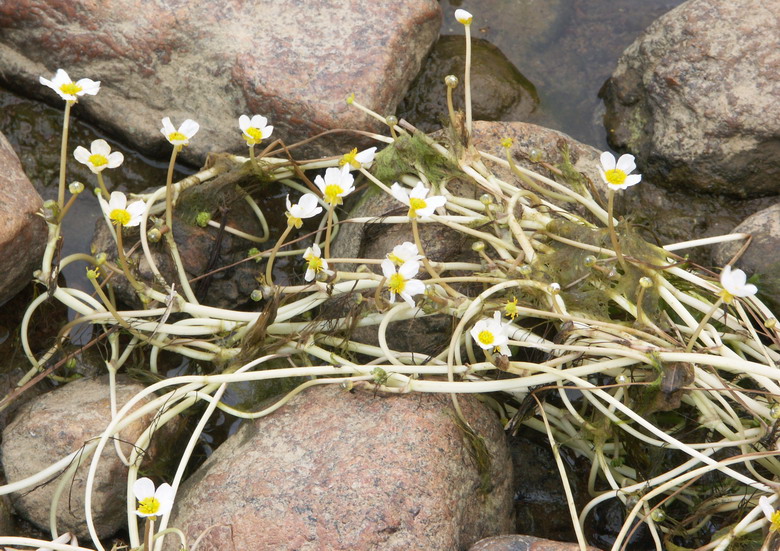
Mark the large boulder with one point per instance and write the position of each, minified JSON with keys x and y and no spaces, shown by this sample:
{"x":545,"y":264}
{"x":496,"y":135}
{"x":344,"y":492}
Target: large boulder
{"x":339,"y":470}
{"x":56,"y":424}
{"x":22,"y":232}
{"x":292,"y":61}
{"x":695,"y":98}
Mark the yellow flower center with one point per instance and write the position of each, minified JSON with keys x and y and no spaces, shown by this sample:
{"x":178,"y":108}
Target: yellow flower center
{"x":70,"y":88}
{"x":351,"y":159}
{"x":293,"y":220}
{"x":148,"y":506}
{"x":332,"y":193}
{"x":510,"y":309}
{"x":616,"y":177}
{"x":397,"y":283}
{"x":486,"y":337}
{"x":416,"y":203}
{"x":254,"y":134}
{"x":177,"y":137}
{"x":775,"y":522}
{"x":726,"y":296}
{"x":120,"y":216}
{"x":97,"y":160}
{"x":315,"y":264}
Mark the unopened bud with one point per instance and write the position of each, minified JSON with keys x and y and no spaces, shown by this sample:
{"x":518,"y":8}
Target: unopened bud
{"x":451,"y":81}
{"x":75,"y":188}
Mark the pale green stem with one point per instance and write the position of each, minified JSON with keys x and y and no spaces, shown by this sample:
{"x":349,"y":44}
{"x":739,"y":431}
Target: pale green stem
{"x":702,"y":323}
{"x":125,"y":266}
{"x":102,"y":185}
{"x":328,"y":229}
{"x":269,"y":275}
{"x":467,"y":79}
{"x":612,"y":234}
{"x":64,"y":154}
{"x":67,"y":206}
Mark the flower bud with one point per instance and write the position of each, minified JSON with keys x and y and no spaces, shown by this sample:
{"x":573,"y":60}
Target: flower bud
{"x":75,"y":188}
{"x":451,"y":81}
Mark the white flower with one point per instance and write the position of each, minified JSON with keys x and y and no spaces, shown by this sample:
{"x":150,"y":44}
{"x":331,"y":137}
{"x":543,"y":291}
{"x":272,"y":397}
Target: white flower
{"x":356,"y":160}
{"x":151,"y":502}
{"x":100,"y":156}
{"x":337,"y":184}
{"x":734,"y":285}
{"x":463,"y":17}
{"x":306,"y":208}
{"x":181,"y":136}
{"x":119,"y":212}
{"x":617,"y":175}
{"x":491,"y":334}
{"x":404,"y":252}
{"x":316,"y":264}
{"x":69,"y":90}
{"x":402,"y":282}
{"x":66,"y":538}
{"x":772,"y":516}
{"x":419,"y":205}
{"x":255,"y":129}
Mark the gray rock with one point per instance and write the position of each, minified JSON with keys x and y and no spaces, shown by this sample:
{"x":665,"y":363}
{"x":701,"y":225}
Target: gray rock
{"x":291,"y":61}
{"x":55,"y":425}
{"x":339,"y":470}
{"x":524,"y":543}
{"x":22,"y":232}
{"x":761,"y":257}
{"x":694,"y":98}
{"x":499,"y":90}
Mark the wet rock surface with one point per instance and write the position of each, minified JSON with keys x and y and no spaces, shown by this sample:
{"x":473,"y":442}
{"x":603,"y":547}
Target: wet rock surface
{"x":694,"y":98}
{"x":524,"y":543}
{"x":499,"y":90}
{"x":22,"y":231}
{"x":341,"y":470}
{"x":54,"y":425}
{"x":292,"y":62}
{"x":761,"y":257}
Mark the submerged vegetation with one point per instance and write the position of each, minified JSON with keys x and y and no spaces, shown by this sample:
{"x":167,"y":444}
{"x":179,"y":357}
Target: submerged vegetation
{"x":676,"y":371}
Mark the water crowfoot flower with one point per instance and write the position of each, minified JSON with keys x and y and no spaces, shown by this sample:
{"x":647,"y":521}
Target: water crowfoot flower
{"x":99,"y":156}
{"x":420,"y":206}
{"x":69,"y":90}
{"x":491,"y":334}
{"x":119,"y":212}
{"x":152,"y":503}
{"x":315,"y":263}
{"x":404,"y":252}
{"x":337,"y":184}
{"x":464,"y":17}
{"x":356,"y":160}
{"x":734,"y":283}
{"x":771,"y":514}
{"x":183,"y":135}
{"x":305,"y":208}
{"x":255,"y":129}
{"x":402,"y":282}
{"x":617,"y":174}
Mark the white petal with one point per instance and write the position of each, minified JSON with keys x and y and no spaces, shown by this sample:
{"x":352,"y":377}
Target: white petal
{"x":287,"y":201}
{"x":168,"y":127}
{"x":399,"y":193}
{"x":414,"y":287}
{"x":366,"y":156}
{"x":409,"y":269}
{"x":164,"y":495}
{"x":408,"y":299}
{"x":117,"y":200}
{"x":309,"y":276}
{"x":632,"y":180}
{"x":259,"y":121}
{"x":89,"y":86}
{"x":115,"y":159}
{"x":462,"y":16}
{"x":82,"y":154}
{"x":419,"y":191}
{"x":244,"y":122}
{"x":189,"y":128}
{"x":607,"y":161}
{"x":267,"y":131}
{"x":143,"y":488}
{"x":100,"y":147}
{"x":388,"y":268}
{"x":316,"y":250}
{"x":308,"y":201}
{"x":60,"y":78}
{"x":136,"y":210}
{"x":320,"y":183}
{"x":626,"y":163}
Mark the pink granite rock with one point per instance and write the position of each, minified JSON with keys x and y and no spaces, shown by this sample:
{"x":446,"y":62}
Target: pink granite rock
{"x":338,"y":470}
{"x":22,"y":232}
{"x":293,"y":61}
